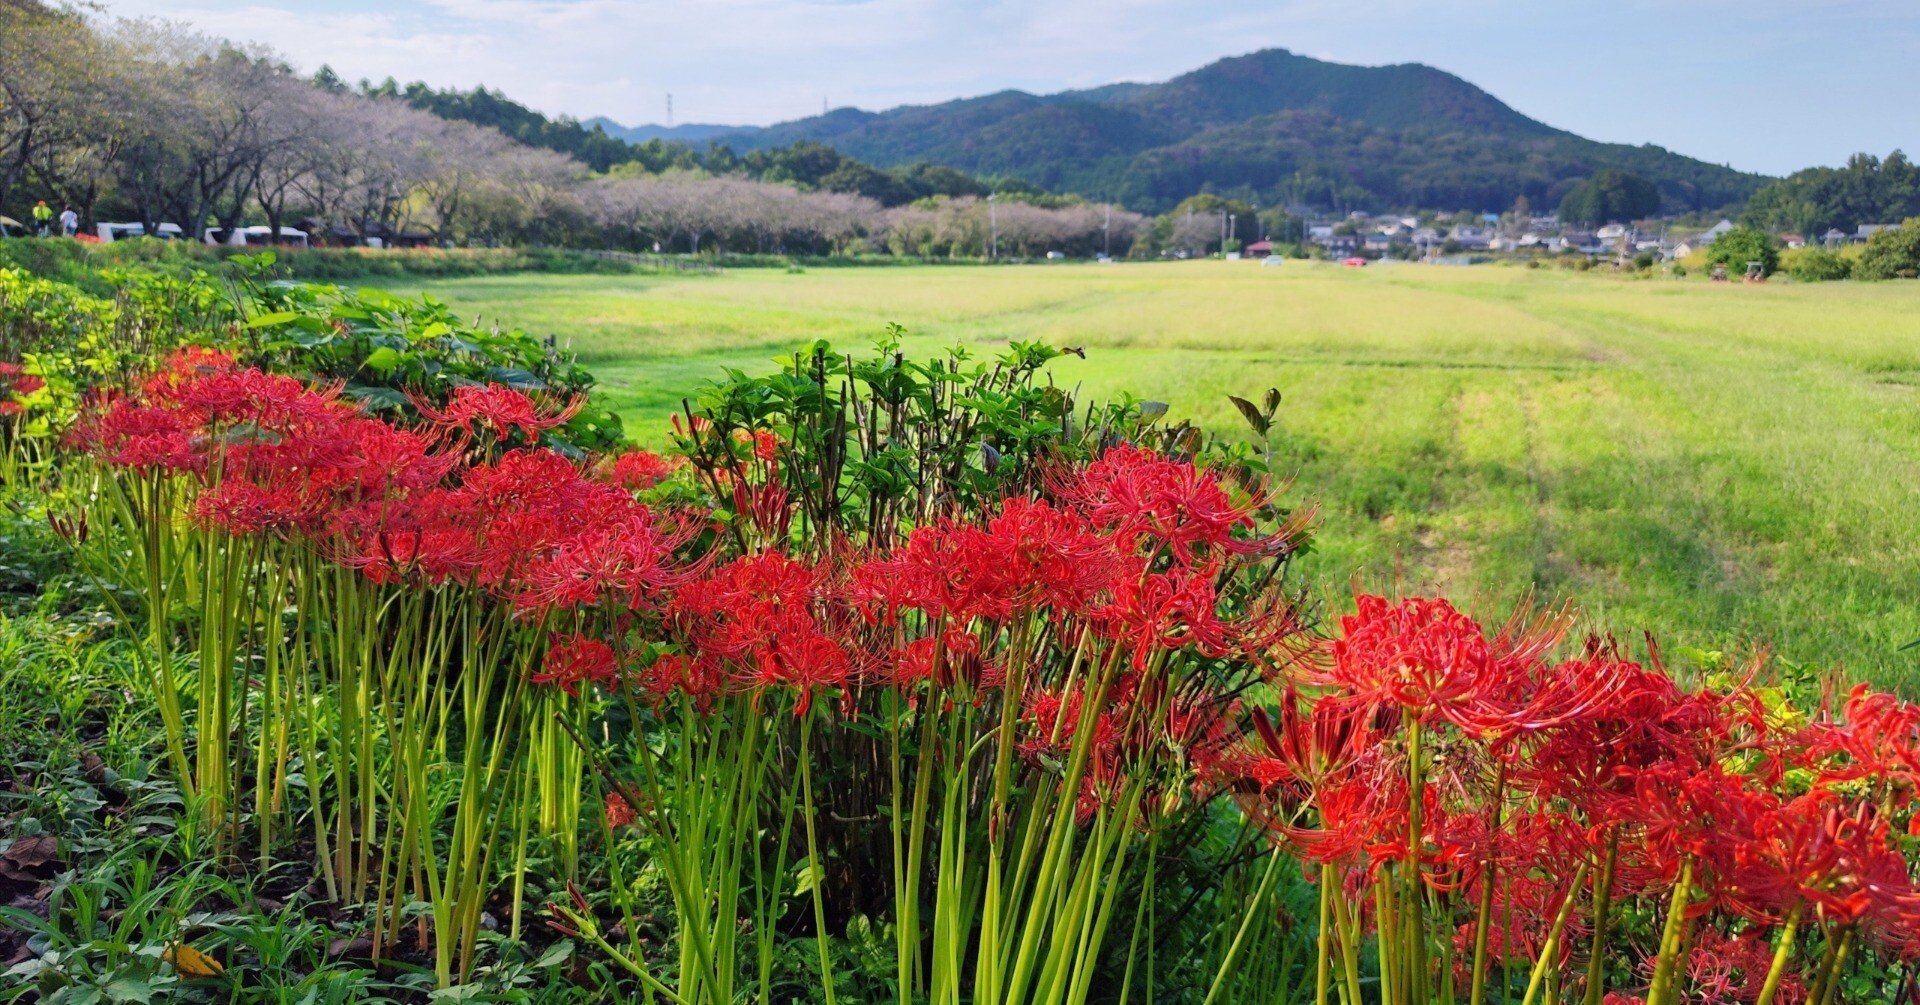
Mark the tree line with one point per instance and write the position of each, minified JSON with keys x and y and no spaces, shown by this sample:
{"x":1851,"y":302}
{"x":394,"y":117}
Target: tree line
{"x":1866,"y":190}
{"x":151,"y":122}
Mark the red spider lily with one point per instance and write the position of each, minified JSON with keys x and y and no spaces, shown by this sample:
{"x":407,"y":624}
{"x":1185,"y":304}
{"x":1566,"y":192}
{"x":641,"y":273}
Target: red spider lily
{"x":1878,"y":740}
{"x":619,"y":812}
{"x":1356,"y":817}
{"x":1427,"y":658}
{"x":498,"y":409}
{"x":627,"y":559}
{"x":573,"y":660}
{"x":1421,"y":655}
{"x":951,"y":658}
{"x":127,"y":434}
{"x":1517,"y":941}
{"x":434,"y":551}
{"x":1029,"y":557}
{"x":670,"y":673}
{"x":1317,"y":742}
{"x":1165,"y":610}
{"x":1138,"y":494}
{"x":1678,"y":813}
{"x":1729,"y":970}
{"x":639,"y":469}
{"x":755,"y":615}
{"x":14,"y":385}
{"x":766,"y":446}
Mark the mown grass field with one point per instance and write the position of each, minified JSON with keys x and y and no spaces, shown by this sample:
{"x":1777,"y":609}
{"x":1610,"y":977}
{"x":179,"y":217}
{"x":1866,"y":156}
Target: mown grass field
{"x":1727,"y":466}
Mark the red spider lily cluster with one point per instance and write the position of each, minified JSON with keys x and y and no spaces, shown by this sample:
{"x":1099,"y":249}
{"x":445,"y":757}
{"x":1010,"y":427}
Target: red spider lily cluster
{"x":15,"y":385}
{"x":1435,"y":769}
{"x":275,"y":456}
{"x":1111,"y":649}
{"x":1126,"y":559}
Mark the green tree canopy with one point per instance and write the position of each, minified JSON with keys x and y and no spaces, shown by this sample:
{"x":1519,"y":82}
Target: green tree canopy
{"x":1892,"y":253}
{"x":1608,"y":196}
{"x":1866,"y":190}
{"x":1741,"y":245}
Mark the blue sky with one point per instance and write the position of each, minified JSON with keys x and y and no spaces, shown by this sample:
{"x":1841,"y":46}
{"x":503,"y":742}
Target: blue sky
{"x":1764,"y":85}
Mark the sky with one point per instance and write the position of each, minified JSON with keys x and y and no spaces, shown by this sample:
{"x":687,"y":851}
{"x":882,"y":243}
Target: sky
{"x":1762,"y":85}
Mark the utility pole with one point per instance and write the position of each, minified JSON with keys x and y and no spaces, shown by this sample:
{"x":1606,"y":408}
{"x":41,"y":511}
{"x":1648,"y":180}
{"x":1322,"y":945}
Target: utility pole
{"x":993,"y":223}
{"x":1233,"y":232}
{"x":1106,"y":233}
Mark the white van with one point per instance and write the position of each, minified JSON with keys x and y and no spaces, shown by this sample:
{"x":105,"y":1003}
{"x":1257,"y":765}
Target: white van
{"x":256,"y":237}
{"x":111,"y":232}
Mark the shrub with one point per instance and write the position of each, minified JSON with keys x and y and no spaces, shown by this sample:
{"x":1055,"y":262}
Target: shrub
{"x":1741,"y":245}
{"x":395,"y":354}
{"x":1815,"y":265}
{"x":1892,"y":254}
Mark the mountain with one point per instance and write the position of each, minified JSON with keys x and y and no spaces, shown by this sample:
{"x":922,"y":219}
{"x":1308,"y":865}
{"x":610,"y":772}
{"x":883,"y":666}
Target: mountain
{"x":1270,"y":125}
{"x":692,"y":132}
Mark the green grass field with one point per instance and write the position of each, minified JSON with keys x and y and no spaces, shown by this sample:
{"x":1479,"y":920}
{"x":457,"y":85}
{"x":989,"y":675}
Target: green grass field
{"x":1728,"y":466}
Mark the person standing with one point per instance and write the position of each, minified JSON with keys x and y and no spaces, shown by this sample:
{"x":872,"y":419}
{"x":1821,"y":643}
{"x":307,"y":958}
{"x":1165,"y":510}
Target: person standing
{"x":69,"y":222}
{"x":42,"y":218}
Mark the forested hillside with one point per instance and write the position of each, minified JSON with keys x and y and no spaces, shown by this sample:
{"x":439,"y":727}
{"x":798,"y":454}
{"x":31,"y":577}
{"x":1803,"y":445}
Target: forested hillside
{"x":1264,"y":126}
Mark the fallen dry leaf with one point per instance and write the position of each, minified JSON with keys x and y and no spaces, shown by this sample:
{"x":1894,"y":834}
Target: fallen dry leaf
{"x":192,"y":962}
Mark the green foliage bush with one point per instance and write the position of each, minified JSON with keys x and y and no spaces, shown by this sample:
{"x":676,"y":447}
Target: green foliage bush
{"x":1892,"y":254}
{"x":1741,"y":245}
{"x":390,"y":352}
{"x":1816,"y":265}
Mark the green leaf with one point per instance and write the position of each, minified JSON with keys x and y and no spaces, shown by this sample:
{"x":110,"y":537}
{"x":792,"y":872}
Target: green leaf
{"x":269,"y":320}
{"x":806,"y":878}
{"x":1250,"y":413}
{"x":554,"y":956}
{"x":378,"y":398}
{"x":129,"y":989}
{"x":516,"y":378}
{"x":384,"y":360}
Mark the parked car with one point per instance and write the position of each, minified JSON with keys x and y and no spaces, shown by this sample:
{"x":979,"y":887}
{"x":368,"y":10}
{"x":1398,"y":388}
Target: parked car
{"x":1272,"y":262}
{"x":110,"y":232}
{"x":256,"y":237}
{"x":1355,"y":263}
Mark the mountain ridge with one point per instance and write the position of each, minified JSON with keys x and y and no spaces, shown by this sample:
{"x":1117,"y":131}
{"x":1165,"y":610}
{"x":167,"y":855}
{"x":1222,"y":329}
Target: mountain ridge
{"x":1269,"y":125}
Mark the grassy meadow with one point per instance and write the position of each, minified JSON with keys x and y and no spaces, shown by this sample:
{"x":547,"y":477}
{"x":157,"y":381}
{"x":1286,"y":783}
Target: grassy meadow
{"x":1727,"y":466}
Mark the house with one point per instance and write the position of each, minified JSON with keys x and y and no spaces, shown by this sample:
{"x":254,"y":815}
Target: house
{"x":1377,"y":242}
{"x":1869,"y":229}
{"x":1471,"y":238}
{"x":1339,"y":244}
{"x":1834,"y":237}
{"x":1611,"y":232}
{"x":1793,"y":240}
{"x":1258,"y":249}
{"x":1707,"y":236}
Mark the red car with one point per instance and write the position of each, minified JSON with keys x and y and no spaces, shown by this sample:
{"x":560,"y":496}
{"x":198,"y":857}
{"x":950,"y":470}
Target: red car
{"x":1355,"y":263}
